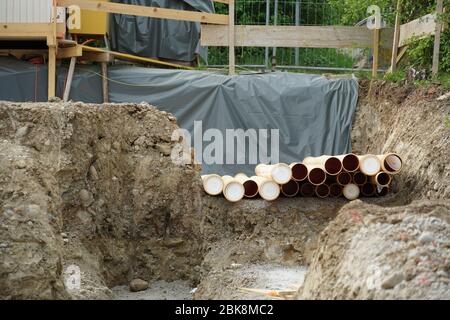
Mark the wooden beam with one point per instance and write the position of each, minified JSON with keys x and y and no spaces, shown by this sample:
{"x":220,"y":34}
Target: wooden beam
{"x":222,"y":1}
{"x":69,"y":52}
{"x":29,"y":31}
{"x":294,"y":36}
{"x":396,"y":37}
{"x":97,"y":56}
{"x":231,"y":36}
{"x":144,"y":11}
{"x":19,"y":53}
{"x":51,"y":71}
{"x":73,"y":62}
{"x":417,"y":29}
{"x":437,"y":38}
{"x":105,"y":89}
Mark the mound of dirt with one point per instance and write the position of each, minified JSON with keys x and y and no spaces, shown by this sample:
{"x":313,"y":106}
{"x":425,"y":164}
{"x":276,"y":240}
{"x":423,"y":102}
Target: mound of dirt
{"x":92,"y":186}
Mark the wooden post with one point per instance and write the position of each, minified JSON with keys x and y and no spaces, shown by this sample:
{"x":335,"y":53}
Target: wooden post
{"x":73,"y":62}
{"x":105,"y":82}
{"x":376,"y":42}
{"x":437,"y":38}
{"x":231,"y":56}
{"x":396,"y":37}
{"x":51,"y":71}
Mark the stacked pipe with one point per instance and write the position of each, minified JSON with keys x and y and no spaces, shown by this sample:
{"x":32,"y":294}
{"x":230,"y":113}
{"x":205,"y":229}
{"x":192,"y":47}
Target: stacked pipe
{"x":349,"y":175}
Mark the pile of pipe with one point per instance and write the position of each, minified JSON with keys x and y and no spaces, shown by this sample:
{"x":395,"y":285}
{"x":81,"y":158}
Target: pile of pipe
{"x":346,"y":175}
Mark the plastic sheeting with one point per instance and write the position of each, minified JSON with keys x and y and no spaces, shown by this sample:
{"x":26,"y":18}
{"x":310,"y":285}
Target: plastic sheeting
{"x":312,"y":113}
{"x":158,"y":38}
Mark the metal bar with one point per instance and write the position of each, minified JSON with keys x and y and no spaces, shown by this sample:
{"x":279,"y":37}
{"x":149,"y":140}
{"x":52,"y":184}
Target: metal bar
{"x":275,"y":21}
{"x":267,"y":23}
{"x":297,"y":21}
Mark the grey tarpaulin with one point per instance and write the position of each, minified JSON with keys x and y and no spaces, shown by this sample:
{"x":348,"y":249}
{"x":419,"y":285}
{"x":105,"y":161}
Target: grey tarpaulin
{"x":158,"y":38}
{"x":313,"y":113}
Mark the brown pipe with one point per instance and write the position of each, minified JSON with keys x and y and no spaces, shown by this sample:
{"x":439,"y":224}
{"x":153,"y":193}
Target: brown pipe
{"x":368,"y":189}
{"x":332,"y":165}
{"x":212,"y":184}
{"x":250,"y":186}
{"x":369,"y":164}
{"x":290,"y":189}
{"x":391,"y":163}
{"x":268,"y":189}
{"x":350,"y":162}
{"x":322,"y":190}
{"x":307,"y":189}
{"x":382,"y":191}
{"x":381,"y":179}
{"x":351,"y":191}
{"x":281,"y":173}
{"x":359,"y":178}
{"x":344,"y":178}
{"x":299,"y":171}
{"x":316,"y":175}
{"x":335,"y":190}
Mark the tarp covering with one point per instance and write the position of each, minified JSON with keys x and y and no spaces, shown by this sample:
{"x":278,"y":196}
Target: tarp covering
{"x":158,"y":38}
{"x":312,"y":113}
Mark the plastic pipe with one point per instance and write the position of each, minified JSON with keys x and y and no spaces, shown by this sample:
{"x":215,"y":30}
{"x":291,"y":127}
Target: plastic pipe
{"x":250,"y":186}
{"x":299,"y":171}
{"x":350,"y":162}
{"x":344,"y":178}
{"x":332,"y":165}
{"x":381,"y":179}
{"x":322,"y":190}
{"x":268,"y":189}
{"x":391,"y":163}
{"x":290,"y":189}
{"x":213,"y":184}
{"x":381,"y":191}
{"x":359,"y":178}
{"x":281,"y":173}
{"x":351,"y":191}
{"x":335,"y":190}
{"x":368,"y":189}
{"x":307,"y":189}
{"x":316,"y":174}
{"x":369,"y":164}
{"x":233,"y":190}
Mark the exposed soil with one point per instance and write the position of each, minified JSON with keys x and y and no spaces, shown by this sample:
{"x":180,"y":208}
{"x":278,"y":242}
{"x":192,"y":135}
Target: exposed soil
{"x":93,"y":186}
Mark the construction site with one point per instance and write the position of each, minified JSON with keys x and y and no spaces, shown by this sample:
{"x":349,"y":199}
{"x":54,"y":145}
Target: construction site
{"x":224,"y":150}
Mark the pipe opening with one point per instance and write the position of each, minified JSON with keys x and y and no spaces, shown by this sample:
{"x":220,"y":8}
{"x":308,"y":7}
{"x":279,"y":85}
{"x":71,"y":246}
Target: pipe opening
{"x":234,"y":191}
{"x":359,"y":178}
{"x":392,"y":163}
{"x":370,"y":165}
{"x":368,"y":189}
{"x":269,"y":191}
{"x":335,"y":190}
{"x":333,"y":165}
{"x":350,"y":162}
{"x":282,"y":173}
{"x":322,"y":191}
{"x":381,"y":192}
{"x":251,"y":188}
{"x":307,"y":190}
{"x":290,"y":189}
{"x":383,"y":179}
{"x":351,"y":191}
{"x":317,"y":176}
{"x":344,"y":178}
{"x":299,"y":172}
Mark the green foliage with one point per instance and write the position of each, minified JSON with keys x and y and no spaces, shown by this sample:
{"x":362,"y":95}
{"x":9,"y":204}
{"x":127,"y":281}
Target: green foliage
{"x":396,"y":77}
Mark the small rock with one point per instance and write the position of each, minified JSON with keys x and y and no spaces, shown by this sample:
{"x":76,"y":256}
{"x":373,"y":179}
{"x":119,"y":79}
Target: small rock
{"x":85,"y":197}
{"x":22,"y":132}
{"x":426,"y":237}
{"x":392,"y":281}
{"x":164,"y":149}
{"x":54,"y":99}
{"x":20,"y":164}
{"x":93,"y":173}
{"x":63,"y":234}
{"x":3,"y":245}
{"x":138,"y":285}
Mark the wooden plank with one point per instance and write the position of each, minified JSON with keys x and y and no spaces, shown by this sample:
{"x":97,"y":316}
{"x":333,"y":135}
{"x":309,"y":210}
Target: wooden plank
{"x":51,"y":71}
{"x":437,"y":39}
{"x":97,"y":56}
{"x":231,"y":52}
{"x":28,"y":31}
{"x":376,"y":47}
{"x":417,"y":29}
{"x":19,"y":53}
{"x":73,"y":62}
{"x":294,"y":36}
{"x":393,"y":67}
{"x":144,"y":11}
{"x":69,"y":52}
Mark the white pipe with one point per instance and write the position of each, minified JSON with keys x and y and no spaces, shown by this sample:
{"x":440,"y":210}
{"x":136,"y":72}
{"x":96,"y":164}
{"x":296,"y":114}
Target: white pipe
{"x":213,"y":184}
{"x":250,"y":186}
{"x":233,"y":190}
{"x":268,"y":189}
{"x":369,"y":164}
{"x":350,"y":162}
{"x":299,"y":171}
{"x":281,"y":173}
{"x":381,"y":178}
{"x":351,"y":191}
{"x":332,"y":165}
{"x":316,"y":174}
